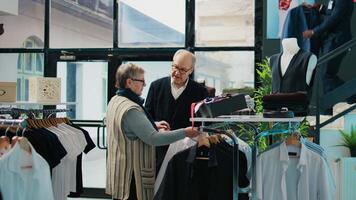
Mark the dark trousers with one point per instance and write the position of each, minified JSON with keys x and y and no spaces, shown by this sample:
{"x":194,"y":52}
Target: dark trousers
{"x":331,"y":68}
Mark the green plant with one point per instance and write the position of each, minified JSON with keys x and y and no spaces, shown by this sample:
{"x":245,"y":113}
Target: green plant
{"x":265,"y":80}
{"x":349,"y":140}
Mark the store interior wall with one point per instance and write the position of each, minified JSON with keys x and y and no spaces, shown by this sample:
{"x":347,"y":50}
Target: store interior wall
{"x":272,"y":46}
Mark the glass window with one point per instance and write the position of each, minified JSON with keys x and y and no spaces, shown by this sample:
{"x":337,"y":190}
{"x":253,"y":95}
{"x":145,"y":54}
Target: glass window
{"x":225,"y":70}
{"x":39,"y":62}
{"x":81,"y":24}
{"x":153,"y":71}
{"x":154,"y":23}
{"x":224,"y":23}
{"x":27,"y":86}
{"x":20,"y":20}
{"x":10,"y":73}
{"x":28,"y":61}
{"x":18,"y":89}
{"x":80,"y":83}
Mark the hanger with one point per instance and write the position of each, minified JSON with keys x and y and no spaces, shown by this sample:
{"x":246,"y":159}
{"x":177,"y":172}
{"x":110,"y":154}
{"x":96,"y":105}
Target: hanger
{"x":215,"y":139}
{"x":4,"y":140}
{"x":203,"y":148}
{"x":203,"y":141}
{"x":24,"y":144}
{"x":293,"y":140}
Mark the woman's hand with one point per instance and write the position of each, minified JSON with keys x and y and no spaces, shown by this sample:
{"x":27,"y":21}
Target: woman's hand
{"x":191,"y":132}
{"x":163,"y":125}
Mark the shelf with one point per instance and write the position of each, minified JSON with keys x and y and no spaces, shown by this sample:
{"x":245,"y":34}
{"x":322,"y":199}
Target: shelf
{"x":246,"y":118}
{"x":19,"y":103}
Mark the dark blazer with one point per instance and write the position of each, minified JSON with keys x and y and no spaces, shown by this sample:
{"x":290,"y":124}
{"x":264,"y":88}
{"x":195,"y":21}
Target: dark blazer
{"x":298,"y":20}
{"x":162,"y":106}
{"x":336,"y":26}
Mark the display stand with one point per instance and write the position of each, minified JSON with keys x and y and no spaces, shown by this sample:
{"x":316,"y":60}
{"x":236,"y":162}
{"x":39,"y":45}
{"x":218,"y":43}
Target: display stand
{"x":247,"y":120}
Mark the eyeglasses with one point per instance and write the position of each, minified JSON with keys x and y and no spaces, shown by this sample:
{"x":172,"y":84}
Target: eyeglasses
{"x":139,"y":80}
{"x":180,"y":69}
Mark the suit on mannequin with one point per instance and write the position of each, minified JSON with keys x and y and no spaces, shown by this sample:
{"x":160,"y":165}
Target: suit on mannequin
{"x":292,"y":70}
{"x":291,"y":48}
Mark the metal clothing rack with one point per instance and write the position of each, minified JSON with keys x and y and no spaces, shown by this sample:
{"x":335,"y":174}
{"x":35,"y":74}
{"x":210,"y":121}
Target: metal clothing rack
{"x":99,"y":124}
{"x":31,"y":113}
{"x":247,"y":120}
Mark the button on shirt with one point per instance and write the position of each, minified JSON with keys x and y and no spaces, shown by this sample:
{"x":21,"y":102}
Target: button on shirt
{"x":17,"y":183}
{"x":314,"y":179}
{"x":176,"y":92}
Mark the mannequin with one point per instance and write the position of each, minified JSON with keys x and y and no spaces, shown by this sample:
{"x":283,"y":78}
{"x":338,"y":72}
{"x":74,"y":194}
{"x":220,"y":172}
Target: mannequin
{"x":290,"y":48}
{"x":292,"y":69}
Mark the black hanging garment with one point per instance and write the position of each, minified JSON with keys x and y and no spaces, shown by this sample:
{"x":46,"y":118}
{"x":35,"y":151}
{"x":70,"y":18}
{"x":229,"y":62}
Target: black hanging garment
{"x":187,"y":178}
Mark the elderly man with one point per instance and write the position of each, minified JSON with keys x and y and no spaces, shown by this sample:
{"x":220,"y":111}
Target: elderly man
{"x":169,"y":98}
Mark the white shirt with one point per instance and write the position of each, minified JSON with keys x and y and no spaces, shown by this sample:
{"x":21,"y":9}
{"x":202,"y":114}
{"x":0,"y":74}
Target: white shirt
{"x":315,"y":181}
{"x":18,"y":183}
{"x":176,"y":92}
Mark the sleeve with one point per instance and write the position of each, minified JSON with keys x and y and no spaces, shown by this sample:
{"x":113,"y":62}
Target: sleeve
{"x":326,"y":185}
{"x":136,"y":122}
{"x":334,"y":19}
{"x":149,"y":105}
{"x":259,"y":187}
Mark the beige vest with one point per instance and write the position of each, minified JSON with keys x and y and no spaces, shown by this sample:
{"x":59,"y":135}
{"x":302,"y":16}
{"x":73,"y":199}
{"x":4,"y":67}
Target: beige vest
{"x":127,"y":157}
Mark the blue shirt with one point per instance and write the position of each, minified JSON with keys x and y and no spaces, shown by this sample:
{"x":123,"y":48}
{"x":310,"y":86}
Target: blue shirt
{"x":17,"y":183}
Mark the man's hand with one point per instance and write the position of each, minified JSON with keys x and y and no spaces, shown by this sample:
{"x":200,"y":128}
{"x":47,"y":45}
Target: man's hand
{"x":163,"y":125}
{"x":308,"y":34}
{"x":191,"y":132}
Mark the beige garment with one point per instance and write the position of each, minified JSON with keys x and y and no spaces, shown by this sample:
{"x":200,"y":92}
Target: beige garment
{"x":127,"y":156}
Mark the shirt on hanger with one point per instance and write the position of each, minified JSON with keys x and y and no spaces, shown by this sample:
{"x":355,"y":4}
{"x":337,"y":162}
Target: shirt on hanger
{"x":314,"y":179}
{"x":17,"y":183}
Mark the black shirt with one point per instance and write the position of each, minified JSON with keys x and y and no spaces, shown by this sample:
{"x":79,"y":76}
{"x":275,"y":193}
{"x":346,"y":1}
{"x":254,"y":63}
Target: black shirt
{"x":47,"y":145}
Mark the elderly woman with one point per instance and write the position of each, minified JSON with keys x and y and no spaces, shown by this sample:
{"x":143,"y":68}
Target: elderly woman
{"x":131,"y":136}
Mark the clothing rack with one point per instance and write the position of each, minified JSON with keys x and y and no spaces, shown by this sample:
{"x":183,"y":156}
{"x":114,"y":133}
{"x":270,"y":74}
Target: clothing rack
{"x":249,"y":120}
{"x":99,"y":124}
{"x":10,"y":121}
{"x":31,"y":113}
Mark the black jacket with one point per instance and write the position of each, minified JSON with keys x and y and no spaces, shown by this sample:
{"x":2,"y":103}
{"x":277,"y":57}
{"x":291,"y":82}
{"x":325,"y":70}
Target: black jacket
{"x":189,"y":179}
{"x":337,"y":22}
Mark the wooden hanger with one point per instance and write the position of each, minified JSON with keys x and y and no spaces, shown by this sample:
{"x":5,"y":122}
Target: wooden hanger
{"x":203,"y":141}
{"x":214,"y":139}
{"x":4,"y":142}
{"x":293,"y":140}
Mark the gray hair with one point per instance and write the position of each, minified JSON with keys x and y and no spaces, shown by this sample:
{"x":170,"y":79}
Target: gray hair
{"x":179,"y":51}
{"x":126,"y":71}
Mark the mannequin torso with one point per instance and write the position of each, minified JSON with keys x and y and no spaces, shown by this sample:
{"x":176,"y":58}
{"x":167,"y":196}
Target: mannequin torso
{"x":290,"y":49}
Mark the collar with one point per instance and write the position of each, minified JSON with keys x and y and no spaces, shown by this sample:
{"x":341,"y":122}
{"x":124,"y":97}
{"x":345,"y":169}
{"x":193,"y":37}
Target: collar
{"x":15,"y":157}
{"x":213,"y":162}
{"x":283,"y":154}
{"x":175,"y":87}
